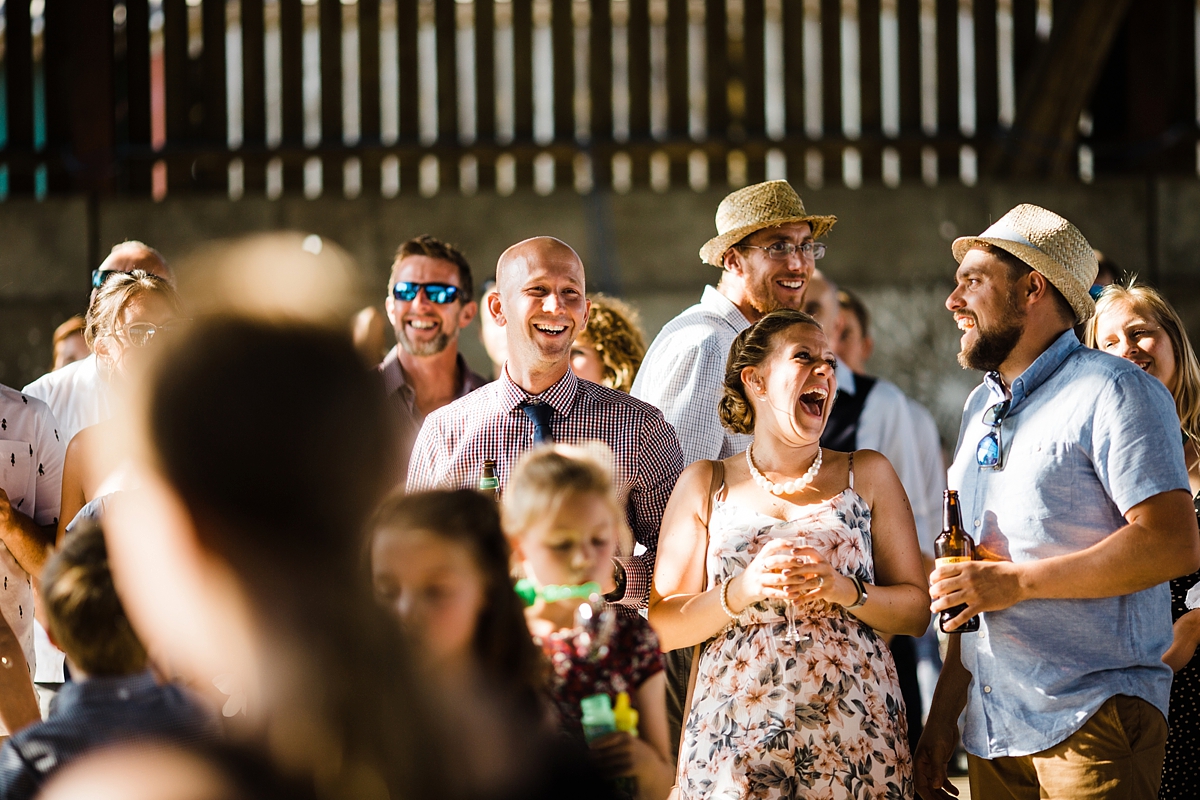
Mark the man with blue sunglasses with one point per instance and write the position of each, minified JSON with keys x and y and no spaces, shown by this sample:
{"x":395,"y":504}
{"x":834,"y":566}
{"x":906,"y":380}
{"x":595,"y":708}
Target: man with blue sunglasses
{"x":429,"y":302}
{"x":1072,"y":482}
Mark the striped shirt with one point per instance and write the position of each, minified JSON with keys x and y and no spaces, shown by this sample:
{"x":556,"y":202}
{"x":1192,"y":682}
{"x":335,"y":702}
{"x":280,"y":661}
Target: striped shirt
{"x":683,"y":374}
{"x":490,"y":424}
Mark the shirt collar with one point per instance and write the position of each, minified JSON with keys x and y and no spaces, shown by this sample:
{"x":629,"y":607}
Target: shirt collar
{"x":1036,"y":373}
{"x":103,"y":689}
{"x":560,"y":396}
{"x":845,"y":378}
{"x":722,"y":306}
{"x":394,"y":379}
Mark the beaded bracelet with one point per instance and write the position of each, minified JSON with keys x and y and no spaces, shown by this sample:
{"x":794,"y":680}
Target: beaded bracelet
{"x":725,"y":601}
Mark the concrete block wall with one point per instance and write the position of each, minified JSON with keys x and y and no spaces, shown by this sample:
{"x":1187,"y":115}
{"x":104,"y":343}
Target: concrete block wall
{"x":892,"y":246}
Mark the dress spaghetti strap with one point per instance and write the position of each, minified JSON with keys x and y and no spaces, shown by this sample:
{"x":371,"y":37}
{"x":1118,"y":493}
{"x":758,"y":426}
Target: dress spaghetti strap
{"x":852,"y":470}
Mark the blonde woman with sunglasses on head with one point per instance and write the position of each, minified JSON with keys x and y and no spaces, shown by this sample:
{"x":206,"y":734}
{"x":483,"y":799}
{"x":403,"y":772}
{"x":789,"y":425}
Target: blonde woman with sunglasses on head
{"x":1135,"y":322}
{"x":132,"y":311}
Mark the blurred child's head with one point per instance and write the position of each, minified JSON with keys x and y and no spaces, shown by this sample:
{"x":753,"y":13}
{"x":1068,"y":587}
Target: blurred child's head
{"x":562,"y":515}
{"x":86,"y":619}
{"x":439,"y":560}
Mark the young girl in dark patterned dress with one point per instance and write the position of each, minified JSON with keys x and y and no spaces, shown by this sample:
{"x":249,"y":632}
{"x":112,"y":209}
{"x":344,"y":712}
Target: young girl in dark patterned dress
{"x":565,"y":526}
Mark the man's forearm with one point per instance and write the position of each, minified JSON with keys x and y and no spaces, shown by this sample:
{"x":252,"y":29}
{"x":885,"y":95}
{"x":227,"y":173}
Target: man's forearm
{"x":950,"y":695}
{"x":18,"y":699}
{"x":29,"y":543}
{"x":1140,"y":555}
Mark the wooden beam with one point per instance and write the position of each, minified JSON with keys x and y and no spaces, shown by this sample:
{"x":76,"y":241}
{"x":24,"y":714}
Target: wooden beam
{"x":1059,"y":83}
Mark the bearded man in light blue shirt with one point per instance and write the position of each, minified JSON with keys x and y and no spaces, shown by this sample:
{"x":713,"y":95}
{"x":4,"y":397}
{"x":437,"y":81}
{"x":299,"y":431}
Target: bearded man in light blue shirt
{"x":1072,"y":482}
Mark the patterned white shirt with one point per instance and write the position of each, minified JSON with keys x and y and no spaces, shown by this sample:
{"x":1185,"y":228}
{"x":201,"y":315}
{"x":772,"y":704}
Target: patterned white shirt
{"x":683,"y":374}
{"x":489,"y":423}
{"x":31,"y":464}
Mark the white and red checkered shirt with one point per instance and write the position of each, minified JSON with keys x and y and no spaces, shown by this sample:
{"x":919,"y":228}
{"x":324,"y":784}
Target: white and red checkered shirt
{"x":489,"y":424}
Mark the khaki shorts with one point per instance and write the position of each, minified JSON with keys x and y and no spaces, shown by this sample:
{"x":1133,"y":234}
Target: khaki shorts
{"x":1116,"y":755}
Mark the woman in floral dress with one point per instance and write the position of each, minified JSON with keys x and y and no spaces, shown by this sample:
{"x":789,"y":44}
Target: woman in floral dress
{"x":821,"y":717}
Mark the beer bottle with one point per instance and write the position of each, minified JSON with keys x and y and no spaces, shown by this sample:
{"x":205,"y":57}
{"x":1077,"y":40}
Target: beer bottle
{"x":489,"y":484}
{"x":954,"y":545}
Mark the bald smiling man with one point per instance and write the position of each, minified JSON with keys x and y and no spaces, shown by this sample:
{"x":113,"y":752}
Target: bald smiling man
{"x":541,"y":306}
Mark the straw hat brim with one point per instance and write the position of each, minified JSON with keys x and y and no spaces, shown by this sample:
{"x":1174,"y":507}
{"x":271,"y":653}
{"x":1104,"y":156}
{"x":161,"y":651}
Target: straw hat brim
{"x":1080,"y":301}
{"x":714,"y":249}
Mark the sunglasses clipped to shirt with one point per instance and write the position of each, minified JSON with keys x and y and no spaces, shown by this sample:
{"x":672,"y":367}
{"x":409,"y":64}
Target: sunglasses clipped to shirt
{"x":989,"y":454}
{"x":438,"y":293}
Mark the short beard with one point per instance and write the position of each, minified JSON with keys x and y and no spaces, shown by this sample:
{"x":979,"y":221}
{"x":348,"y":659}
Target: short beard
{"x":993,"y":345}
{"x":764,"y":300}
{"x":430,"y":348}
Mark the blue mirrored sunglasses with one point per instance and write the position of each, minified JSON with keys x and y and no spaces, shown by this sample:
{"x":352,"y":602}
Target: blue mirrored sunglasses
{"x":99,"y":276}
{"x":989,"y":454}
{"x":439,"y":293}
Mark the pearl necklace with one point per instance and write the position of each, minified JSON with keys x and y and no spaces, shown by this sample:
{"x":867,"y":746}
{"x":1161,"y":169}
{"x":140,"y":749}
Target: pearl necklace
{"x":791,"y":487}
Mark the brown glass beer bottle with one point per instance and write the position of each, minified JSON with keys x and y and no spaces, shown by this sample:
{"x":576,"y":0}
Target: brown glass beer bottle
{"x":952,"y":546}
{"x":489,"y":484}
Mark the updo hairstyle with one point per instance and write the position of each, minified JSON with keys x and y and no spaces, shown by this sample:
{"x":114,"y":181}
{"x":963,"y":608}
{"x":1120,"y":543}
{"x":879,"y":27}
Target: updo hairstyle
{"x":750,"y":349}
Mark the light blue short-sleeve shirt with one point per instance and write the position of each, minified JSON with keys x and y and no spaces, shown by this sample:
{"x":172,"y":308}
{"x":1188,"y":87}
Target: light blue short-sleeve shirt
{"x":1088,"y":436}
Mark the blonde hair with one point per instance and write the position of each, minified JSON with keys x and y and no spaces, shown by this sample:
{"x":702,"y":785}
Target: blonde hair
{"x":547,"y":477}
{"x":613,"y":330}
{"x":117,"y":293}
{"x":1148,"y":300}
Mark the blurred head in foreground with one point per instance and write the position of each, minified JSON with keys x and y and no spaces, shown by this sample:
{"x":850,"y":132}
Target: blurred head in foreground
{"x":268,"y":450}
{"x":85,"y":618}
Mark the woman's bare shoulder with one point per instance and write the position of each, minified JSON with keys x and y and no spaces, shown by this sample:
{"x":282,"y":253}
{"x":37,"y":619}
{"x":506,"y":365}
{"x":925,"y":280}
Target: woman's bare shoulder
{"x":872,"y":472}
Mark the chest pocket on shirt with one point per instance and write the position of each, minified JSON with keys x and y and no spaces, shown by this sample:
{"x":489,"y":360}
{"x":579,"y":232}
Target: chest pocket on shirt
{"x":16,"y":472}
{"x":1050,"y":468}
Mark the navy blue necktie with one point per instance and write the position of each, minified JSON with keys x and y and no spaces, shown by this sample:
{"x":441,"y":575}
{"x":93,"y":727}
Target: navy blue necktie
{"x":539,"y":414}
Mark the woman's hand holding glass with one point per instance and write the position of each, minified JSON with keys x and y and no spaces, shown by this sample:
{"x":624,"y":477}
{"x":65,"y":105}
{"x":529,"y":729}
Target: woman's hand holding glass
{"x":775,"y":573}
{"x":783,"y":570}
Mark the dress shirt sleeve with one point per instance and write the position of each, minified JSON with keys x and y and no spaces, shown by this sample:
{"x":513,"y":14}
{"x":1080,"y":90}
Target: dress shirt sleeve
{"x":933,"y":471}
{"x":685,"y":382}
{"x":659,"y":463}
{"x":428,"y":459}
{"x":887,"y":425}
{"x":1135,"y":442}
{"x":50,"y":453}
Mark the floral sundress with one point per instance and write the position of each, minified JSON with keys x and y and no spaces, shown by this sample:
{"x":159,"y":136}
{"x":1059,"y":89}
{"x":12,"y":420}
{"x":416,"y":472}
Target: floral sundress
{"x":822,"y":718}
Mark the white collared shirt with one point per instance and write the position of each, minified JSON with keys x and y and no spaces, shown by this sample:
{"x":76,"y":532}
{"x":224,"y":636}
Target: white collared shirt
{"x":77,"y":395}
{"x":683,"y":374}
{"x":907,"y":436}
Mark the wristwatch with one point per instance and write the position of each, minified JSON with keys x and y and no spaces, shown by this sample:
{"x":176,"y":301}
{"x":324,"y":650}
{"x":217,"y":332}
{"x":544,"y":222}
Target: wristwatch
{"x":862,"y":591}
{"x":618,"y":593}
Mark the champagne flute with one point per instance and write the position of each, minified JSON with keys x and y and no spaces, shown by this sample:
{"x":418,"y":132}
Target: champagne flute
{"x":792,"y":634}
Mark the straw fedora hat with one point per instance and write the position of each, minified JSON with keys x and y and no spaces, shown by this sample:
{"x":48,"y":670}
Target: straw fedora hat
{"x":1049,"y":244}
{"x":763,"y":205}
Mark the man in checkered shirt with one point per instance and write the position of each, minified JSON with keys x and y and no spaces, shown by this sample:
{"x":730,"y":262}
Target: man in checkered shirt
{"x":766,"y":248}
{"x":542,"y":306}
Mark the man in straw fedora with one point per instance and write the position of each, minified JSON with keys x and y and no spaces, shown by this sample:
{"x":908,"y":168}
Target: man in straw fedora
{"x":766,"y":248}
{"x":1072,"y":483}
